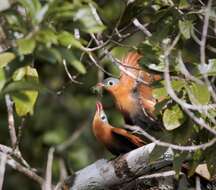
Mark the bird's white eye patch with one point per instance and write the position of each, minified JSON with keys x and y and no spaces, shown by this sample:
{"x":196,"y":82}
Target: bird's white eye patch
{"x":103,"y":117}
{"x":110,"y":81}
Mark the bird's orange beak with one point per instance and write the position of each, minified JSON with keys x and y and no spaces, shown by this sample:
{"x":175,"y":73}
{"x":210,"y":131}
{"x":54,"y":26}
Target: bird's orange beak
{"x":99,"y":106}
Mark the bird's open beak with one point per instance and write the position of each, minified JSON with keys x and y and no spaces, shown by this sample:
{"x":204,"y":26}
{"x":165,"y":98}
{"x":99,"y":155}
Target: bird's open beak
{"x":100,"y":84}
{"x":99,"y":106}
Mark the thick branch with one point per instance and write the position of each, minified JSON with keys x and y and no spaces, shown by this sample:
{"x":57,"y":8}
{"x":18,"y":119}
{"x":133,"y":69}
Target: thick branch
{"x":105,"y":174}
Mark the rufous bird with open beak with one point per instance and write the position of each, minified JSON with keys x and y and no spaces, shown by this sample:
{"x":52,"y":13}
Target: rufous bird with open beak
{"x":132,"y":91}
{"x":116,"y":140}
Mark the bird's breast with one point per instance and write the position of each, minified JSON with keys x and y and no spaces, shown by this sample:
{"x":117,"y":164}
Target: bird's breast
{"x":102,"y":132}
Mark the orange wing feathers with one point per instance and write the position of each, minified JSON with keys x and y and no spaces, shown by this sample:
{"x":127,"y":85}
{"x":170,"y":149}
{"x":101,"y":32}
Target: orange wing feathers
{"x":130,"y":63}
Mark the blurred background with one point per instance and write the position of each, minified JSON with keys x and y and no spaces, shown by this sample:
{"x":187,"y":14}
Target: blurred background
{"x":64,"y":110}
{"x":42,"y":34}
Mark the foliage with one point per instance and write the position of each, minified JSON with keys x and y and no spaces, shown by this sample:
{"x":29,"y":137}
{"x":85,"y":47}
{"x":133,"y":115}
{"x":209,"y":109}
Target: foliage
{"x":51,"y":38}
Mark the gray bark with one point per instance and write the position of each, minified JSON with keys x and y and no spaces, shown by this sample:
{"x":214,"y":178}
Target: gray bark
{"x":104,"y":174}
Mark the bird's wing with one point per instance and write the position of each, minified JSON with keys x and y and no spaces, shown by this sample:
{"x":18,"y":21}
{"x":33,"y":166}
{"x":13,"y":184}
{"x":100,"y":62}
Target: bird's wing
{"x":130,"y":67}
{"x":146,"y":99}
{"x":129,"y":139}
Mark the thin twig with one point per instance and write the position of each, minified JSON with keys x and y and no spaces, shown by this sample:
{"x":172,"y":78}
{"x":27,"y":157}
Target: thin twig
{"x":203,"y":4}
{"x":198,"y":185}
{"x":59,"y":185}
{"x":16,"y":154}
{"x":203,"y":47}
{"x":48,"y":178}
{"x":68,"y":73}
{"x":63,"y":169}
{"x":20,"y":128}
{"x":159,"y":175}
{"x":11,"y":125}
{"x":3,"y":161}
{"x":98,"y":65}
{"x":142,"y":27}
{"x":185,"y":72}
{"x":87,"y":49}
{"x":26,"y":171}
{"x":95,"y":14}
{"x":137,"y":129}
{"x":172,"y":46}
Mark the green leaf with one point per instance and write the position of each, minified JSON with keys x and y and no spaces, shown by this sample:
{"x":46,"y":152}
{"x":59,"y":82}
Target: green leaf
{"x":151,"y":54}
{"x":153,"y":57}
{"x":51,"y":55}
{"x":160,"y":67}
{"x":66,"y":39}
{"x":197,"y":157}
{"x":32,"y":7}
{"x":157,"y":152}
{"x":26,"y":46}
{"x":2,"y":79}
{"x":71,"y":58}
{"x":184,"y":4}
{"x":47,"y":37}
{"x":179,"y":158}
{"x":173,"y":117}
{"x":159,"y":90}
{"x":23,"y":106}
{"x":78,"y":66}
{"x":210,"y":156}
{"x":160,"y":105}
{"x":6,"y":58}
{"x":198,"y":94}
{"x":185,"y":28}
{"x":208,"y":69}
{"x":88,"y":21}
{"x":23,"y":85}
{"x":41,"y":13}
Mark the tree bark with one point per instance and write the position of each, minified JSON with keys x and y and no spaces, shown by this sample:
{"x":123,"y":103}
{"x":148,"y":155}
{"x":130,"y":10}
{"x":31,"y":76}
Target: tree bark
{"x":105,"y":174}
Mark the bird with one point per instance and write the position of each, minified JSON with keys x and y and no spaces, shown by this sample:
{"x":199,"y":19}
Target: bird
{"x":117,"y":140}
{"x":133,"y":99}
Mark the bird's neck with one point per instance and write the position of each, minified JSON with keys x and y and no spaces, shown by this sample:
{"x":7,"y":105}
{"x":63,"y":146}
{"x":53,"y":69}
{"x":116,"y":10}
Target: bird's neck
{"x":101,"y":130}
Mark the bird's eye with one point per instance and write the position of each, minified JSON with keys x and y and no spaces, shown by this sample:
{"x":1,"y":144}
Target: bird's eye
{"x":110,"y":83}
{"x":103,"y":117}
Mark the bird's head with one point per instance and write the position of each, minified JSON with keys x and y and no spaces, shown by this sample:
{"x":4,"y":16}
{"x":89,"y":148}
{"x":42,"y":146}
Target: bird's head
{"x":110,"y":84}
{"x":100,"y":116}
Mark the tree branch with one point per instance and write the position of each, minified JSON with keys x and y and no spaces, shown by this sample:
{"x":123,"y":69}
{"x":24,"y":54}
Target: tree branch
{"x":3,"y":161}
{"x":11,"y":125}
{"x":104,"y":174}
{"x":48,"y":179}
{"x":26,"y":171}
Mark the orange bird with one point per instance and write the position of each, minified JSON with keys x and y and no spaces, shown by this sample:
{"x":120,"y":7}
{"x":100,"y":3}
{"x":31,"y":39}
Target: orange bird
{"x":133,"y":98}
{"x":116,"y":140}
